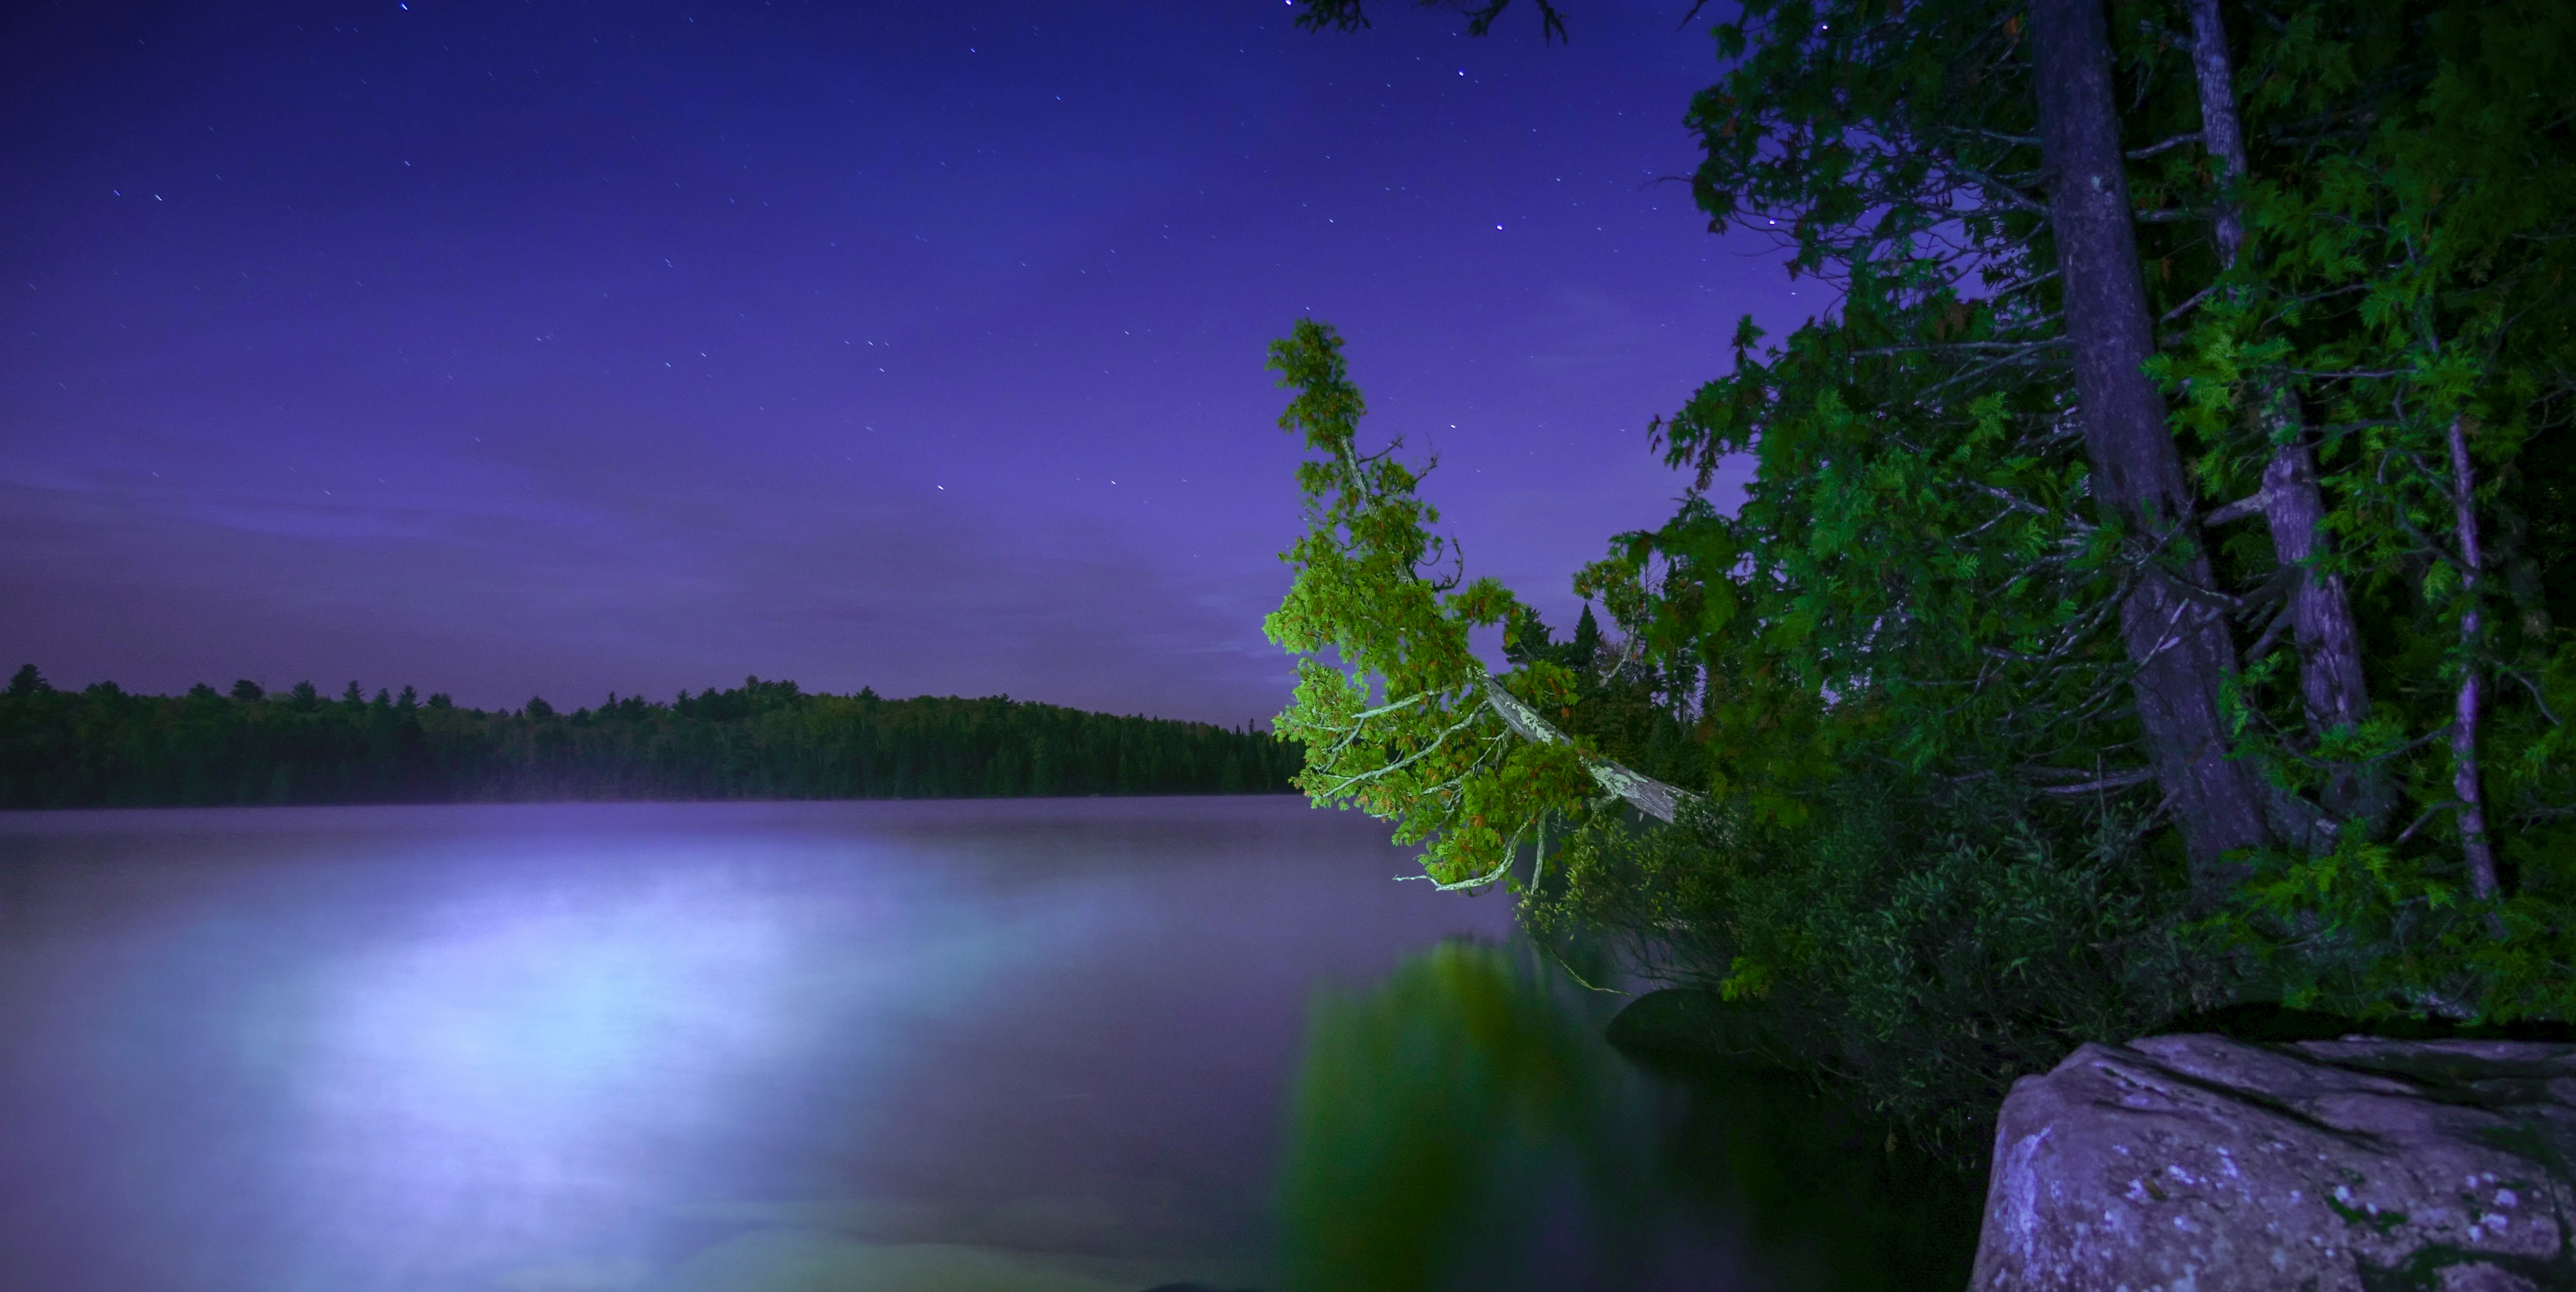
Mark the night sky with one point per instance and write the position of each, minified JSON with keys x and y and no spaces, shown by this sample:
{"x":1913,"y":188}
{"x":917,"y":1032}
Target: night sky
{"x":507,"y":349}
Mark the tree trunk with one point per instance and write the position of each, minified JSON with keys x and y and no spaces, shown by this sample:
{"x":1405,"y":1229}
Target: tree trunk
{"x":2221,"y":132}
{"x":2178,"y":644}
{"x":1655,"y":798}
{"x":2478,"y":849}
{"x":2321,"y":623}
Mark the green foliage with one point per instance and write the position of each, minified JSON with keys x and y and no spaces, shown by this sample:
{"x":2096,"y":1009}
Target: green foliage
{"x":759,"y":740}
{"x":2414,"y":209}
{"x":1913,"y":580}
{"x":1931,"y":842}
{"x":1612,"y":702}
{"x":1927,"y":848}
{"x":1912,"y":585}
{"x":2376,"y":931}
{"x":1925,"y":950}
{"x":1402,"y":729}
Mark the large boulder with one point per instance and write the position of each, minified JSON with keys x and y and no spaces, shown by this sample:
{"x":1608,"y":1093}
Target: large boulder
{"x":2201,"y":1164}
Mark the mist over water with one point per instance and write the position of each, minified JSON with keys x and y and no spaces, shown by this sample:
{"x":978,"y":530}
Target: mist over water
{"x":1089,"y":1045}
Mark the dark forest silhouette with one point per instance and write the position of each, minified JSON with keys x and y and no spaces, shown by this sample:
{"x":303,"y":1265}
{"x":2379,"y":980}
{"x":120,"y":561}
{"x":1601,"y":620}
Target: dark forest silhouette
{"x":104,"y":747}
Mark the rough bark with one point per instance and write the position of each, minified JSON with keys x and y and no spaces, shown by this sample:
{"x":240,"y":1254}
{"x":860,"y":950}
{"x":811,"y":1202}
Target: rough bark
{"x":2331,"y":683}
{"x":2220,"y":130}
{"x":2179,"y":646}
{"x":2475,"y":845}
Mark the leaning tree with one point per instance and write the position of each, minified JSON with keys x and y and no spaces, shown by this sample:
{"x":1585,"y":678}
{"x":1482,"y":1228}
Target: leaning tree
{"x":2116,"y":281}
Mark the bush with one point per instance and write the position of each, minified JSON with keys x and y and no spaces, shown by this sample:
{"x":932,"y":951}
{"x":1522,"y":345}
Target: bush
{"x":1927,"y":950}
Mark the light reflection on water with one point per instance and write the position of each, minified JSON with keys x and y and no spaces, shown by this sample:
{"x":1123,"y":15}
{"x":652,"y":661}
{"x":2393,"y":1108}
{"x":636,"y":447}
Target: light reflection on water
{"x":1462,"y":1126}
{"x":669,"y":1046}
{"x":1023,"y":1046}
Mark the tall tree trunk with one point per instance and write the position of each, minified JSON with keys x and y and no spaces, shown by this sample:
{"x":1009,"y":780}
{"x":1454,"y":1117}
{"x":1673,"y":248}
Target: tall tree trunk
{"x":2321,"y":622}
{"x":2178,"y":644}
{"x":2475,"y":845}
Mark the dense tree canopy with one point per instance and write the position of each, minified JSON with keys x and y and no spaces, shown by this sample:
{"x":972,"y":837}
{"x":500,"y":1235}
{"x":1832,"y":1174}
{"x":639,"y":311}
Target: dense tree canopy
{"x":2002,"y":721}
{"x":101,"y":746}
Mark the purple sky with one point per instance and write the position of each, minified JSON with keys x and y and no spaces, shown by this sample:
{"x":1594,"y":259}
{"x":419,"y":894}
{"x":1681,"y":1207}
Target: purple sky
{"x":505,"y":348}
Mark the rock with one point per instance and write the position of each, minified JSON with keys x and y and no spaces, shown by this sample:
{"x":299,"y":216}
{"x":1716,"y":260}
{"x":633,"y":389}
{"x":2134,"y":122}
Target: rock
{"x":1680,"y":1027}
{"x":2200,"y":1164}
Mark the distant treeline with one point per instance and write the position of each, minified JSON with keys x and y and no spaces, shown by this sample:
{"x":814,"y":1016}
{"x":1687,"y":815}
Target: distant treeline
{"x":104,"y":747}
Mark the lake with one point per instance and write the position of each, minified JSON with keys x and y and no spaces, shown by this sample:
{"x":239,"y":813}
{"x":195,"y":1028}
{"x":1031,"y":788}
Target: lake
{"x":1052,"y":1045}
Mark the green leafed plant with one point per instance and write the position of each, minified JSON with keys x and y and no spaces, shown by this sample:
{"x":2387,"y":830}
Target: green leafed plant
{"x":1411,"y":726}
{"x":2006,"y":724}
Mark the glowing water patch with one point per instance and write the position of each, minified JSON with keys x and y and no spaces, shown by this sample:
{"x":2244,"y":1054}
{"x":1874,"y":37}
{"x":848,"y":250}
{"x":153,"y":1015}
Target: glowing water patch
{"x":550,"y":1058}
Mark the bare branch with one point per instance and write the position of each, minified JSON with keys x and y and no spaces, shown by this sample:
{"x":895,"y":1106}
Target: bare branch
{"x":2188,"y":305}
{"x":1346,"y":782}
{"x":2122,"y":781}
{"x":2141,"y":154}
{"x":1648,"y":795}
{"x":2250,"y":505}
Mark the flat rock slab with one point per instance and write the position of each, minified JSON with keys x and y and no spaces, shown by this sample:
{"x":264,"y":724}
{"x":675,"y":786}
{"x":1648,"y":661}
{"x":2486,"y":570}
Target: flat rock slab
{"x":2201,"y":1164}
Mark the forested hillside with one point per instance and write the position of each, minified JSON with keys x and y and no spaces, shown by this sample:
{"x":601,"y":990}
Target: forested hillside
{"x":101,"y":747}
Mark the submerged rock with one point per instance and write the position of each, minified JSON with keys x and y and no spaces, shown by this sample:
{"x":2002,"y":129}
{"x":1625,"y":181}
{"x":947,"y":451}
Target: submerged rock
{"x":2200,"y":1164}
{"x":1680,"y":1027}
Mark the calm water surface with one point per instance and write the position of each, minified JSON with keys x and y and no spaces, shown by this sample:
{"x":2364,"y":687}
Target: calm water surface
{"x":1017,"y":1046}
